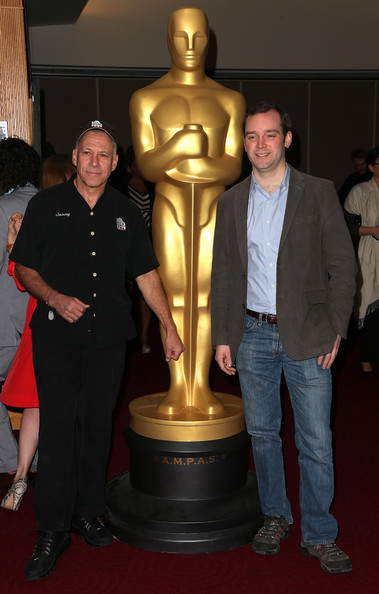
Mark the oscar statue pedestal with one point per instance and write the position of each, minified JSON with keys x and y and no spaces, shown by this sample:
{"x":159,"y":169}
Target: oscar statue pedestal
{"x":192,"y":496}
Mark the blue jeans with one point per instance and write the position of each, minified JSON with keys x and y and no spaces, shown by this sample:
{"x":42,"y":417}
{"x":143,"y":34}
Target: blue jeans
{"x":260,"y":361}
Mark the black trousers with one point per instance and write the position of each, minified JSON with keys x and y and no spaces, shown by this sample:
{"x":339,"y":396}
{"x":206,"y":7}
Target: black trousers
{"x":370,"y":339}
{"x":77,"y":391}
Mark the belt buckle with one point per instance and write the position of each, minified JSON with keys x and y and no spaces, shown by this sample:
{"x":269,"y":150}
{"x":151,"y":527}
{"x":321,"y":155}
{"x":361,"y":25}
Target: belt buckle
{"x":270,"y":317}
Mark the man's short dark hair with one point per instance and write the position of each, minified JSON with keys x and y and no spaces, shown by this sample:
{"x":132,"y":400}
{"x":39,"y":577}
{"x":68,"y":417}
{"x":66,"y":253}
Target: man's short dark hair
{"x":358,"y":154}
{"x":372,"y":155}
{"x":264,"y":107}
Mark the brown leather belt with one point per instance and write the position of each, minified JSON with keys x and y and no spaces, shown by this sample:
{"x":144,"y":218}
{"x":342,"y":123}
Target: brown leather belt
{"x":269,"y":318}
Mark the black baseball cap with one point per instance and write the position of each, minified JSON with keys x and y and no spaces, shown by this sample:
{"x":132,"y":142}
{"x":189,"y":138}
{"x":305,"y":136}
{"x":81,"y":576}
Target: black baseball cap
{"x":96,"y":125}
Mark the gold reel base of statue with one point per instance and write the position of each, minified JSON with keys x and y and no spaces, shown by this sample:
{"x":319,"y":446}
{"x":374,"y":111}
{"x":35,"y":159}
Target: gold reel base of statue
{"x":188,"y":425}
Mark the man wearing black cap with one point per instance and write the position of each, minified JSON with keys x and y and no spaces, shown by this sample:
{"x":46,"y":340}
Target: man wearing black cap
{"x":76,"y":243}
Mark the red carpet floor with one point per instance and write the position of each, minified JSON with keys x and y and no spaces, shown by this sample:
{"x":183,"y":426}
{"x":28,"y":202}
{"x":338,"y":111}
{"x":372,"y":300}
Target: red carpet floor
{"x":121,"y":568}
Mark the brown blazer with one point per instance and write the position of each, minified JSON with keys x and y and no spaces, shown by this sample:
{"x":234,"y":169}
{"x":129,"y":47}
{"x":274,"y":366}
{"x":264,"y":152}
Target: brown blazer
{"x":315,"y":270}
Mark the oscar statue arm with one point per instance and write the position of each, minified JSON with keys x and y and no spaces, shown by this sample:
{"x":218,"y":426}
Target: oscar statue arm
{"x":190,"y":154}
{"x":155,"y":158}
{"x":222,"y":163}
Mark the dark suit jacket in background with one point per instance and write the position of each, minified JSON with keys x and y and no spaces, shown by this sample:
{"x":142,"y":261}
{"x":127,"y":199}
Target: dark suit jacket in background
{"x":315,"y":269}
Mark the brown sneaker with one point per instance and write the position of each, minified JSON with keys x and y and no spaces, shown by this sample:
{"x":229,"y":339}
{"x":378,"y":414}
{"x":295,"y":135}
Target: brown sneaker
{"x":267,"y":539}
{"x":332,"y":559}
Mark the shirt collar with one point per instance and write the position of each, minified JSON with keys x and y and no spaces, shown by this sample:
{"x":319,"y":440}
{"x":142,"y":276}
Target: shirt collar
{"x":283,"y":186}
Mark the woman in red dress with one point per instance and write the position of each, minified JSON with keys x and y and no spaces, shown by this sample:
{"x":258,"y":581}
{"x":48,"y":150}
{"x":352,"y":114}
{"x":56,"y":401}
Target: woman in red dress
{"x":20,"y":388}
{"x":20,"y":391}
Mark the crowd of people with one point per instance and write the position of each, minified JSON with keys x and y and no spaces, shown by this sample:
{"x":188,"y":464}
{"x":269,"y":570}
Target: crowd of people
{"x":66,"y":314}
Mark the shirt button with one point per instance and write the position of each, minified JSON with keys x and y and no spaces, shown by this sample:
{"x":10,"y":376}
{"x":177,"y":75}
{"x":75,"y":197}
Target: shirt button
{"x":94,"y":274}
{"x":89,"y":330}
{"x":92,"y":232}
{"x":94,"y":295}
{"x":91,"y":213}
{"x":94,"y":253}
{"x":94,"y":315}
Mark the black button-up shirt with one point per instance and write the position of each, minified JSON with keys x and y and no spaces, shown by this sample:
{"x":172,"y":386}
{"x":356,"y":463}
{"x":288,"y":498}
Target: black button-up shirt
{"x":85,"y":253}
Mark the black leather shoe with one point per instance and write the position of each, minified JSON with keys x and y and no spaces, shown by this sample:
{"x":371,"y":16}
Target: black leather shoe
{"x":93,"y":531}
{"x":49,"y":547}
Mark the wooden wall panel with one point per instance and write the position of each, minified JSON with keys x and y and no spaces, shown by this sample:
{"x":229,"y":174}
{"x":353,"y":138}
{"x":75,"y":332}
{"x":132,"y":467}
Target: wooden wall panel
{"x":15,"y":106}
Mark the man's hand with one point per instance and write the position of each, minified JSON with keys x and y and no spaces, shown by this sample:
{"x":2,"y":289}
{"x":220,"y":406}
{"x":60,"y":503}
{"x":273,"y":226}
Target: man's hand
{"x":70,"y":308}
{"x":224,"y":359}
{"x":327,"y":360}
{"x":151,"y":288}
{"x":173,"y":346}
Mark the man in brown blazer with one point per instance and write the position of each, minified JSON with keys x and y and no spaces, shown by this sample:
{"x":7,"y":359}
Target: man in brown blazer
{"x":283,"y":283}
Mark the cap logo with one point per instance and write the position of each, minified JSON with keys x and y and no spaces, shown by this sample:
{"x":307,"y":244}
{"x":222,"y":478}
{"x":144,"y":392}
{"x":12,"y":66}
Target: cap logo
{"x":96,"y":125}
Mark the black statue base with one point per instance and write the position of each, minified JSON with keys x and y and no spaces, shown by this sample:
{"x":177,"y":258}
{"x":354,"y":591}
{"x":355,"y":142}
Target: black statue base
{"x":185,"y":497}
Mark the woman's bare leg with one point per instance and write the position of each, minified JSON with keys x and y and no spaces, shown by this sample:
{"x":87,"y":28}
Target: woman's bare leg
{"x":27,"y":445}
{"x":28,"y":441}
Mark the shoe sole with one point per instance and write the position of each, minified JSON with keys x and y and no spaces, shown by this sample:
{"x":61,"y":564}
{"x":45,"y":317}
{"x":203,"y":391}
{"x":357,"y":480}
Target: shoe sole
{"x":50,"y":571}
{"x":326,"y":569}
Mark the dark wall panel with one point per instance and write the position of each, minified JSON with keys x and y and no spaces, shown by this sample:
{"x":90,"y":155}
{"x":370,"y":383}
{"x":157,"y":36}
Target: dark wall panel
{"x":341,"y":120}
{"x":66,"y":104}
{"x":330,"y":118}
{"x":114,"y":98}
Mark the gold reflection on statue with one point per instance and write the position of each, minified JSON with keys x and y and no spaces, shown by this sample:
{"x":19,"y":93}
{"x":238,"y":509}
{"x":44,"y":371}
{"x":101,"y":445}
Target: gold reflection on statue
{"x":187,"y":138}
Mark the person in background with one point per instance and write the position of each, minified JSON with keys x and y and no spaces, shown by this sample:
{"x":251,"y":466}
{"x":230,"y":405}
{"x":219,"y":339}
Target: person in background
{"x":19,"y":175}
{"x":282,"y":293}
{"x":56,"y":169}
{"x":361,"y":174}
{"x":363,"y":202}
{"x":20,"y":389}
{"x":141,"y":192}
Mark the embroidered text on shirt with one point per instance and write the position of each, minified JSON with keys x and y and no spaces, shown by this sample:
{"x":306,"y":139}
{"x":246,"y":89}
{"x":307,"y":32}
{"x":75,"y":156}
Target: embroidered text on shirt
{"x":62,"y":214}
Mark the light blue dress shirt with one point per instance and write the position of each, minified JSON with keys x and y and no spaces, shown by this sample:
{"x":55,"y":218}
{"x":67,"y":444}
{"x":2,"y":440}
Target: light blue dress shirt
{"x":265,"y":215}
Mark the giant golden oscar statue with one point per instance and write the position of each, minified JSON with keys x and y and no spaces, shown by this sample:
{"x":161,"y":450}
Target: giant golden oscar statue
{"x":188,"y":489}
{"x":187,"y":138}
